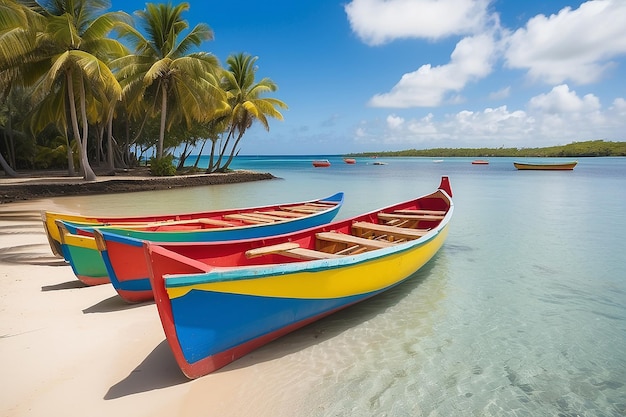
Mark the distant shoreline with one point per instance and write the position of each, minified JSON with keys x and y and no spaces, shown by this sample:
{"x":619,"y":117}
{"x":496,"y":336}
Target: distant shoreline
{"x":592,"y":148}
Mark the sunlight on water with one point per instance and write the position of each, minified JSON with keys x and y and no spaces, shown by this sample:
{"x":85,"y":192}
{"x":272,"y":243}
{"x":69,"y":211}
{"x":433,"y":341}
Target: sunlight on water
{"x":522,"y":312}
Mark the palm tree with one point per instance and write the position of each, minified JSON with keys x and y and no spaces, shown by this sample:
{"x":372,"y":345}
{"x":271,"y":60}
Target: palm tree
{"x":18,"y":28}
{"x":246,"y":102}
{"x":181,"y":85}
{"x":76,"y":37}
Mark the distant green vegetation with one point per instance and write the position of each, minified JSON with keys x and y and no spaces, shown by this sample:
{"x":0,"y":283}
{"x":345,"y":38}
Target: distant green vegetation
{"x":572,"y":150}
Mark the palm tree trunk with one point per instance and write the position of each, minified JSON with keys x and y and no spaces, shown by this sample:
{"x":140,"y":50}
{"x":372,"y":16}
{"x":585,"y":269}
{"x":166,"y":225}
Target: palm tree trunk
{"x":89,"y":174}
{"x":83,"y":151}
{"x":195,"y":165}
{"x":7,"y":169}
{"x":71,"y":170}
{"x":232,"y":153}
{"x":163,"y":118}
{"x":110,"y":154}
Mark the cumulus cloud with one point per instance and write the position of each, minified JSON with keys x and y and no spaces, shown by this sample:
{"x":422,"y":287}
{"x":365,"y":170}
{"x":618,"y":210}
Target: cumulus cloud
{"x":561,"y":100}
{"x":558,"y":116}
{"x":471,"y":59}
{"x":575,"y":45}
{"x":380,"y":21}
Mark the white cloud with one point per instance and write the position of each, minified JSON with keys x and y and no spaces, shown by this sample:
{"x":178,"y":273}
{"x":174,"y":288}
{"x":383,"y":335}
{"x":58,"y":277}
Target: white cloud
{"x":394,"y":122}
{"x":380,"y":21}
{"x":559,"y":116}
{"x":471,"y":60}
{"x":561,"y":100}
{"x":575,"y":45}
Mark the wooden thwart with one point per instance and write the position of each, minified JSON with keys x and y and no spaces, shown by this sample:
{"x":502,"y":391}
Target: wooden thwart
{"x":396,"y":216}
{"x":142,"y":225}
{"x":249,"y":218}
{"x":290,"y":249}
{"x":282,"y":213}
{"x":422,"y":212}
{"x":352,"y":240}
{"x":398,"y":232}
{"x":308,"y":207}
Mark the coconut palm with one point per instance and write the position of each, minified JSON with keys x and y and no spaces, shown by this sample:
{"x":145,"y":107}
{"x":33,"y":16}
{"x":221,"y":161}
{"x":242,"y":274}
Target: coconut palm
{"x":18,"y":28}
{"x":246,"y":102}
{"x":71,"y":61}
{"x":181,"y":86}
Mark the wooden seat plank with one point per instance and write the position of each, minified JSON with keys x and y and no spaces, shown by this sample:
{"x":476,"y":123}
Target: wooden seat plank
{"x":216,"y":222}
{"x":249,"y":218}
{"x":422,"y":211}
{"x":265,"y":250}
{"x":394,"y":216}
{"x":304,"y":253}
{"x":290,"y":249}
{"x":354,"y":240}
{"x":401,"y":232}
{"x":285,"y":214}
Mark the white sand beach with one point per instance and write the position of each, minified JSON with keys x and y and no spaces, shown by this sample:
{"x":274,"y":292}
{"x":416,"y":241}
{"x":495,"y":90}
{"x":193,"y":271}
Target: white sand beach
{"x":71,"y":350}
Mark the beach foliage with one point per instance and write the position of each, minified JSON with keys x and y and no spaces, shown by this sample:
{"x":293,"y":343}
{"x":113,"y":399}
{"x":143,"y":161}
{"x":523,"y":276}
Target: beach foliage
{"x":248,"y":104}
{"x":572,"y":150}
{"x":151,"y":90}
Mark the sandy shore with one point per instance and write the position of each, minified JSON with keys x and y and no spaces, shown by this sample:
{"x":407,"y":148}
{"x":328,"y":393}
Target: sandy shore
{"x":71,"y":350}
{"x":39,"y":184}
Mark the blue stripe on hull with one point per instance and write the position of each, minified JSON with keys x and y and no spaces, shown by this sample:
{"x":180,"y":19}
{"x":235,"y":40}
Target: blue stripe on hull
{"x":208,"y":323}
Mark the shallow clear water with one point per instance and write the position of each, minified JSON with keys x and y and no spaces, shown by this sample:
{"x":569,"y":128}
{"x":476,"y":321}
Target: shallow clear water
{"x":522,"y":312}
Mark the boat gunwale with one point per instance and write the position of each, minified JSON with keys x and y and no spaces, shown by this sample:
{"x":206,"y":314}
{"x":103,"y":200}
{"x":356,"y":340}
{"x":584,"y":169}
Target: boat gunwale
{"x":120,"y":230}
{"x":236,"y":273}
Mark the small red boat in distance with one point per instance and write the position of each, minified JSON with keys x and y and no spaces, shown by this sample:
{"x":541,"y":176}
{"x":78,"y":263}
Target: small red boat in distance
{"x":349,"y":160}
{"x":480,"y":162}
{"x":321,"y":163}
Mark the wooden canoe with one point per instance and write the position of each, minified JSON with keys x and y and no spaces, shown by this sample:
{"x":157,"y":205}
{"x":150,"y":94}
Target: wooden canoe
{"x":219,"y":301}
{"x":80,"y":251}
{"x":545,"y":166}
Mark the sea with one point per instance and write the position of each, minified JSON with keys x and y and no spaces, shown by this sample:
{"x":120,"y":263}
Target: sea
{"x":521,"y":313}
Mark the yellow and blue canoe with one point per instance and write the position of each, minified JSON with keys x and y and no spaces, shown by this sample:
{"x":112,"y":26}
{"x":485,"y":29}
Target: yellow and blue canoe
{"x":219,"y":301}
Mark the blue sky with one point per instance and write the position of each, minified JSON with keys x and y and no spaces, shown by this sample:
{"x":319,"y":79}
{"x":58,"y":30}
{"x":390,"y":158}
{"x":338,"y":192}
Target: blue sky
{"x":378,"y":75}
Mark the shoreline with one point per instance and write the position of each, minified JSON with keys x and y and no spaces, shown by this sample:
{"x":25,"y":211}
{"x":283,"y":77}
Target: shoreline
{"x":41,"y":184}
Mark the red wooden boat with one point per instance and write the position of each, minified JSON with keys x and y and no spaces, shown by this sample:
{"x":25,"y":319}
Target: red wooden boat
{"x":480,"y":162}
{"x":321,"y":163}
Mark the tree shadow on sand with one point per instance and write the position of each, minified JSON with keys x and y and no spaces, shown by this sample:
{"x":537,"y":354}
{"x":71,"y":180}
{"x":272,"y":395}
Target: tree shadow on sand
{"x":159,"y":369}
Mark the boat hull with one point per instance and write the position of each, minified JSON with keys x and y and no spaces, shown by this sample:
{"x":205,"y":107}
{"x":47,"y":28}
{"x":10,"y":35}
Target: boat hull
{"x":321,"y":164}
{"x":93,"y":265}
{"x":212,"y":314}
{"x":524,"y":166}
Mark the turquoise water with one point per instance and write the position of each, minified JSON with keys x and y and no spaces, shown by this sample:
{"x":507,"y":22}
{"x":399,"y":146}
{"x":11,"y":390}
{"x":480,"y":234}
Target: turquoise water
{"x":522,"y":312}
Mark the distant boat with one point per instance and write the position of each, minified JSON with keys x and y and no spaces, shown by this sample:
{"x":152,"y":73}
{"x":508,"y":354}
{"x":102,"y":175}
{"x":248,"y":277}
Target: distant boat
{"x":379,"y":163}
{"x":480,"y":162}
{"x":349,"y":160}
{"x":321,"y":163}
{"x":546,"y":166}
{"x":436,"y":161}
